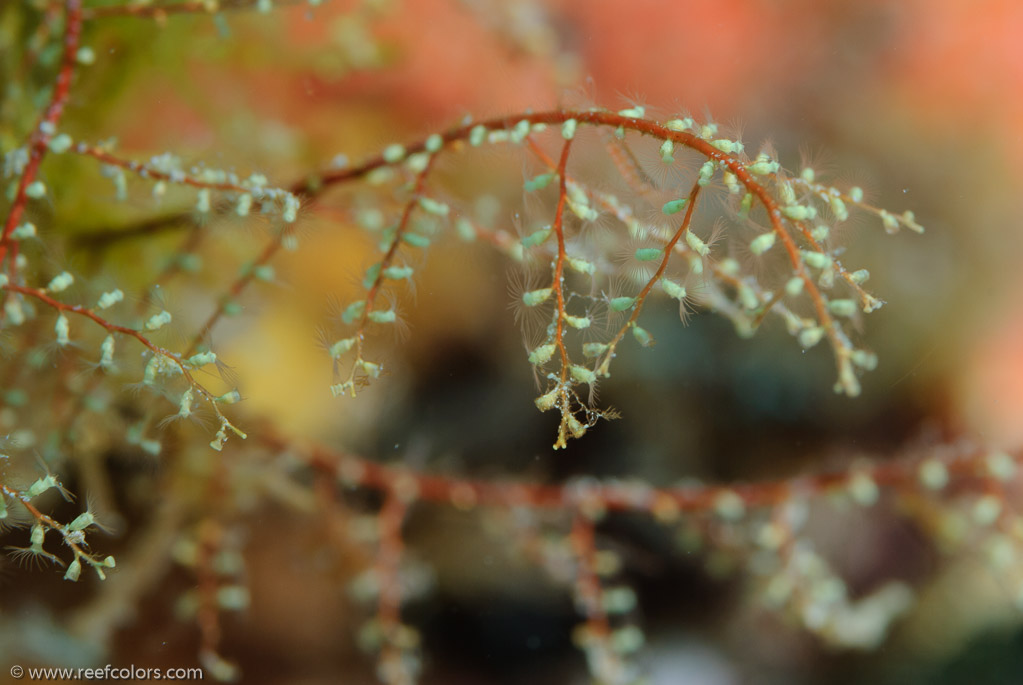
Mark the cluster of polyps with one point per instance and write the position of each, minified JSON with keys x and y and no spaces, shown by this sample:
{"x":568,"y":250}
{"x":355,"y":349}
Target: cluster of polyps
{"x":797,"y":273}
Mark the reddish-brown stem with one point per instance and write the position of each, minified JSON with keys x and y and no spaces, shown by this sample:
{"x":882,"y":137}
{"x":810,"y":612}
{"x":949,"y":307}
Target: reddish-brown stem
{"x":558,"y":283}
{"x":40,"y":138}
{"x":641,"y":298}
{"x":966,"y":469}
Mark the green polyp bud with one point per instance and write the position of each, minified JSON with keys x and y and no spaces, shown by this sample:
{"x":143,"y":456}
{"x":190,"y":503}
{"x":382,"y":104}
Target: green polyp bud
{"x":231,"y":397}
{"x":794,"y":286}
{"x":730,"y":267}
{"x":231,"y":308}
{"x":762,"y":243}
{"x":620,"y":304}
{"x":202,"y":201}
{"x":575,"y":427}
{"x":536,"y":238}
{"x":871,"y":304}
{"x":63,"y":329}
{"x":648,"y":254}
{"x":465,"y":229}
{"x":60,"y":143}
{"x":748,"y":297}
{"x":667,"y":147}
{"x":416,"y":240}
{"x":74,"y":570}
{"x":763,"y":167}
{"x":808,"y":337}
{"x":477,"y":135}
{"x":845,"y":308}
{"x":620,"y":133}
{"x":244,"y":205}
{"x":581,"y":265}
{"x":594,"y":349}
{"x":353,"y":311}
{"x":838,"y":208}
{"x":434,"y":143}
{"x":627,"y":640}
{"x":808,"y":175}
{"x":394,"y":153}
{"x":369,"y":368}
{"x":418,"y":162}
{"x":729,"y":147}
{"x":859,"y":276}
{"x":263,"y":272}
{"x":82,"y":521}
{"x":547,"y":401}
{"x":539,"y":182}
{"x":519,"y":133}
{"x":60,"y":282}
{"x":577,"y":322}
{"x":185,"y":406}
{"x":909,"y":219}
{"x":706,"y":172}
{"x":637,"y":112}
{"x":746,"y":205}
{"x":864,"y":359}
{"x":799,"y":212}
{"x":158,"y":321}
{"x":372,"y":273}
{"x":674,"y":206}
{"x":341,"y":347}
{"x":568,"y":129}
{"x":856,"y":194}
{"x":542,"y":354}
{"x":891,"y":224}
{"x":383,"y":316}
{"x":732,"y":182}
{"x":673,"y":289}
{"x":36,"y":190}
{"x":581,"y":374}
{"x":24,"y":231}
{"x":290,"y":211}
{"x":816,"y":260}
{"x":431,"y":206}
{"x":398,"y":273}
{"x":106,"y":360}
{"x":821,"y":232}
{"x":202,"y":359}
{"x":39,"y":487}
{"x":642,"y":336}
{"x":534,"y":298}
{"x":618,"y":600}
{"x":696,"y":244}
{"x":37,"y":536}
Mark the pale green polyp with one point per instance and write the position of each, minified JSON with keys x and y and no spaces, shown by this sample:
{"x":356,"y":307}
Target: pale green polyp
{"x":542,"y":354}
{"x":581,"y":374}
{"x":434,"y":143}
{"x":394,"y":153}
{"x":534,"y":298}
{"x":620,"y":304}
{"x":762,"y":243}
{"x":568,"y":129}
{"x":674,"y":206}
